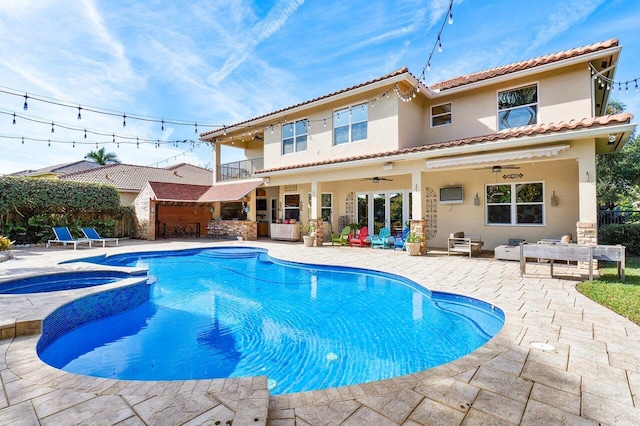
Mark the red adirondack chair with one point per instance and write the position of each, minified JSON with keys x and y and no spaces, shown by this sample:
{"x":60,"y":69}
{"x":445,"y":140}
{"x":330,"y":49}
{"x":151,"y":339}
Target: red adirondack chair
{"x":360,"y":239}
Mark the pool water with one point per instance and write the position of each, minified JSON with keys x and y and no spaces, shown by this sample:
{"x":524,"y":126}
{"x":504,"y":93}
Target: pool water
{"x":60,"y":281}
{"x":235,"y":312}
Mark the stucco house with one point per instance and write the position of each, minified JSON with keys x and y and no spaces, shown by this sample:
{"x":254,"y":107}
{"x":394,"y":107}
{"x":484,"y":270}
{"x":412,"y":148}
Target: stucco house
{"x":507,"y":152}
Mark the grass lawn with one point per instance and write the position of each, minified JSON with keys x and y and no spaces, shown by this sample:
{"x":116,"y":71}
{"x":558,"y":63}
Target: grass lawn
{"x":622,"y":297}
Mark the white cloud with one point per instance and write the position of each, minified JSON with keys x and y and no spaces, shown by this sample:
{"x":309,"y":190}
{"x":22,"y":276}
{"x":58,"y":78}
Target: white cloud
{"x":263,"y":30}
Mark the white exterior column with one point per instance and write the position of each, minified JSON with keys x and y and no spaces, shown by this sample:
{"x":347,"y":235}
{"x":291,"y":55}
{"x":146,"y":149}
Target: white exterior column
{"x":315,"y":194}
{"x":588,"y":204}
{"x":216,"y":158}
{"x":416,"y":189}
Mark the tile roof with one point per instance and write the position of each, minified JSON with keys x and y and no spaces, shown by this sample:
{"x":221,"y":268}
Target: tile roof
{"x":130,"y":177}
{"x":516,"y":132}
{"x":348,"y":89}
{"x":232,"y":191}
{"x":165,"y":191}
{"x":60,"y":169}
{"x":457,"y":81}
{"x":523,"y":65}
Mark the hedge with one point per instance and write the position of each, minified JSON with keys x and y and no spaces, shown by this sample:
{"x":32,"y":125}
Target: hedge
{"x":27,"y":195}
{"x":29,"y":207}
{"x":624,"y":234}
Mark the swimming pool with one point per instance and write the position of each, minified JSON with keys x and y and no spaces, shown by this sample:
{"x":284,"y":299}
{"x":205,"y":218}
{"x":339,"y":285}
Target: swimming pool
{"x":60,"y":281}
{"x":235,"y":312}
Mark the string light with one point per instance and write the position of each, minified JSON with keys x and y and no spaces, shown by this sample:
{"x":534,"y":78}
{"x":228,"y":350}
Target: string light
{"x":124,"y":120}
{"x":14,"y":118}
{"x":609,"y":84}
{"x":98,"y":110}
{"x":138,"y":141}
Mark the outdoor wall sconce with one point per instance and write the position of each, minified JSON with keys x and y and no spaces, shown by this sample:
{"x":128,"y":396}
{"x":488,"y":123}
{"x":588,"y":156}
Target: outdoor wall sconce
{"x":212,"y":209}
{"x":476,"y":200}
{"x":554,"y":199}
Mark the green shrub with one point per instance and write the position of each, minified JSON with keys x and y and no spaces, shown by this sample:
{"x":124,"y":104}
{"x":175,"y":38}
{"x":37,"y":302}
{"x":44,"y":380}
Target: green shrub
{"x":5,"y":243}
{"x":29,"y":208}
{"x":627,"y":235}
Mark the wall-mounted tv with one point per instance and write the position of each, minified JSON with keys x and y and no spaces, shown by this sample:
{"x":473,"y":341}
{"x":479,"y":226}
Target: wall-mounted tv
{"x":451,"y":195}
{"x":261,"y":204}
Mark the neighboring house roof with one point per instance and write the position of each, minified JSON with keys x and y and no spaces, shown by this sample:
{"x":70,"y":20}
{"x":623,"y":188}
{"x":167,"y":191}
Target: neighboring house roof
{"x":448,"y":84}
{"x":233,"y":191}
{"x":516,"y":132}
{"x":59,"y":169}
{"x":128,"y":177}
{"x":523,"y":65}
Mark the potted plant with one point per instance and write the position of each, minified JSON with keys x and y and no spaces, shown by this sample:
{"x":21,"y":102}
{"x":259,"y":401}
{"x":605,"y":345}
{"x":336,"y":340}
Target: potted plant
{"x":308,"y":234}
{"x":413,"y":243}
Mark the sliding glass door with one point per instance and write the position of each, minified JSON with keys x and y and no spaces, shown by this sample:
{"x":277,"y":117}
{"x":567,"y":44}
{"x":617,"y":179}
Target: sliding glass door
{"x":384,"y":208}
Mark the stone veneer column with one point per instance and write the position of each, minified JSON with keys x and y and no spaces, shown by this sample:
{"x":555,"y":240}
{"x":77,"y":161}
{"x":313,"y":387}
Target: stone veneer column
{"x":419,"y":226}
{"x":587,"y":233}
{"x":319,"y":233}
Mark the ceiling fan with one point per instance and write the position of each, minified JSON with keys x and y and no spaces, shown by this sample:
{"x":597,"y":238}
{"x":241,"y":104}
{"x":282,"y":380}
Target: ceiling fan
{"x":377,"y":179}
{"x":498,"y":169}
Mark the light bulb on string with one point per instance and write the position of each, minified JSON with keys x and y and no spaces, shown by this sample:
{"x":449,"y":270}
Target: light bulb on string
{"x":79,"y":114}
{"x":85,"y":133}
{"x":49,"y":143}
{"x":114,"y":138}
{"x":22,"y":140}
{"x":137,"y":143}
{"x":428,"y":66}
{"x":124,"y":120}
{"x":636,"y":85}
{"x":52,"y":127}
{"x":14,"y":114}
{"x":25,"y":107}
{"x":74,"y":144}
{"x":450,"y":18}
{"x":626,"y":89}
{"x":162,"y":128}
{"x":196,"y":128}
{"x":96,"y":145}
{"x":439,"y":45}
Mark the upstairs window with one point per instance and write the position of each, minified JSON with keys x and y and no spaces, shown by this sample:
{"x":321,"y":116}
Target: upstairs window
{"x":518,"y":107}
{"x":294,"y":137}
{"x":441,"y":115}
{"x":350,"y":124}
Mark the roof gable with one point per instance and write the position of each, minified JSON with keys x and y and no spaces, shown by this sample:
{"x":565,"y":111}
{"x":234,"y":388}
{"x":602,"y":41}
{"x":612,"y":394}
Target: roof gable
{"x":523,"y":65}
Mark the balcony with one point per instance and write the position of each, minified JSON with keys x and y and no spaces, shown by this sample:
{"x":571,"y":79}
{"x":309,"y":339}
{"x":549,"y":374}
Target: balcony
{"x":239,"y":170}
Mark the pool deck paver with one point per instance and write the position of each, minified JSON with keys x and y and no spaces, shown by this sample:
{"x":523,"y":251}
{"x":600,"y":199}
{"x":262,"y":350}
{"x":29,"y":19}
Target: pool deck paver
{"x":590,"y":377}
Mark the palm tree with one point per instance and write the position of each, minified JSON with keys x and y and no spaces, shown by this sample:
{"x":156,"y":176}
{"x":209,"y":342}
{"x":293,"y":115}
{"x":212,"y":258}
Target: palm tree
{"x":102,"y":158}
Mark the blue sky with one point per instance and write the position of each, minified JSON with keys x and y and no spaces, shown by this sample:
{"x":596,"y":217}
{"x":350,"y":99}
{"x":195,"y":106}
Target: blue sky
{"x":220,"y":62}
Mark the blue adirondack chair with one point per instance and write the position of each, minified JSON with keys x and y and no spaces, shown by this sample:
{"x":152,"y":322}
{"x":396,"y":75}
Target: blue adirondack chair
{"x":398,"y":241}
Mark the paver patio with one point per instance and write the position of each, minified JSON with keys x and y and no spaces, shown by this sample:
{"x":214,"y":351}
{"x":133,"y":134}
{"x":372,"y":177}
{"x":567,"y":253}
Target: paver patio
{"x":591,"y":376}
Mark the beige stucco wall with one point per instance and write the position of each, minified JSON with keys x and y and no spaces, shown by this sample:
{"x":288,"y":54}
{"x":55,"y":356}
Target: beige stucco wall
{"x":557,"y":175}
{"x":382,"y":132}
{"x":562,"y":95}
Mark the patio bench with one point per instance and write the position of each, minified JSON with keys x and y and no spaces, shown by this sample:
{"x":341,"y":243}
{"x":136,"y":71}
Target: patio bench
{"x":573,"y":252}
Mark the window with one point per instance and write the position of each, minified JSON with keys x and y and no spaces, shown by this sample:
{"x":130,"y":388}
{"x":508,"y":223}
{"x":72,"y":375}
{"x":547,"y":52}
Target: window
{"x":294,"y":137}
{"x":326,"y":207}
{"x":292,"y":206}
{"x":441,"y":115}
{"x":518,"y":107}
{"x":350,"y":124}
{"x":515,"y":204}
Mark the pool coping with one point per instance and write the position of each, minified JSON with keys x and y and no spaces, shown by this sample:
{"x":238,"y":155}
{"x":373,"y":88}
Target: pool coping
{"x":375,"y":400}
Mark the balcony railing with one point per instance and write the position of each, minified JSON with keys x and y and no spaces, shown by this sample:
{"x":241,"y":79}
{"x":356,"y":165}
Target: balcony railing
{"x":239,"y":170}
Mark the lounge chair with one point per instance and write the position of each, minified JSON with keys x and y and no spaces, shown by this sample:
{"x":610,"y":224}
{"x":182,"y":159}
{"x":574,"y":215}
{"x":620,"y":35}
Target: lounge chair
{"x":63,"y":235}
{"x":398,"y":240}
{"x":460,"y":243}
{"x":360,"y":239}
{"x":342,"y":238}
{"x":92,"y":234}
{"x":382,"y":239}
